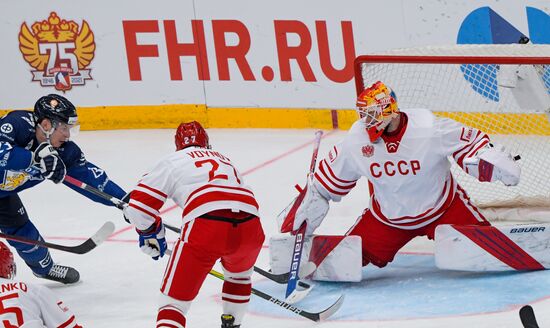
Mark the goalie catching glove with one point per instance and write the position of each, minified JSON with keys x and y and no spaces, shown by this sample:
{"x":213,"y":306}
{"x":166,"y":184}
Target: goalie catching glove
{"x":309,"y":206}
{"x":492,"y":163}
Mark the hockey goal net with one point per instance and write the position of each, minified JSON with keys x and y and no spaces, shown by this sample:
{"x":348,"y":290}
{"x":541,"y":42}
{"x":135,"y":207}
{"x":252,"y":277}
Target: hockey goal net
{"x":503,"y":90}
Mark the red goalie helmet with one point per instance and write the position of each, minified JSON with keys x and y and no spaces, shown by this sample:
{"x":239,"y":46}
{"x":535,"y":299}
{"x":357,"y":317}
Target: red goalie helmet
{"x":191,"y":134}
{"x":7,"y":265}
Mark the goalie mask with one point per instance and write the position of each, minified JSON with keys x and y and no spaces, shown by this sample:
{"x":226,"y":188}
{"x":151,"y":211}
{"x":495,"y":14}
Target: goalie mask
{"x":7,"y":265}
{"x":191,"y":134}
{"x":377,"y":106}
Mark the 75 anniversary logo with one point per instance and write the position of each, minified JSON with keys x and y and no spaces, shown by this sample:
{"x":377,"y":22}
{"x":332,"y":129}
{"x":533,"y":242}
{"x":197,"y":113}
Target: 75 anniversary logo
{"x":58,"y":50}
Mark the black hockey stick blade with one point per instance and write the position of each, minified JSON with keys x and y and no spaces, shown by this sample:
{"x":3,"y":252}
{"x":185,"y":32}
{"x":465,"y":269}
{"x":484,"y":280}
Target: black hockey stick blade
{"x":527,"y":316}
{"x":100,"y":236}
{"x":278,"y":278}
{"x":314,"y":316}
{"x":101,"y":194}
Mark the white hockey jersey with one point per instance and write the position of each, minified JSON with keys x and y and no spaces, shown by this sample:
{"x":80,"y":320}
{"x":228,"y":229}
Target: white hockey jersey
{"x":409,"y":175}
{"x":32,"y":306}
{"x":198,"y":180}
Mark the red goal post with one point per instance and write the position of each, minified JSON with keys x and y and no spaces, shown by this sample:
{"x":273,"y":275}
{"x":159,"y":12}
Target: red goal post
{"x":503,"y":90}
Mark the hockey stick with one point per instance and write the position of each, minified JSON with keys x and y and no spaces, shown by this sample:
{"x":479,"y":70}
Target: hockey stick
{"x":117,"y":202}
{"x":299,"y":294}
{"x":314,"y":316}
{"x":291,"y":292}
{"x":100,"y":236}
{"x":527,"y":316}
{"x":281,"y":278}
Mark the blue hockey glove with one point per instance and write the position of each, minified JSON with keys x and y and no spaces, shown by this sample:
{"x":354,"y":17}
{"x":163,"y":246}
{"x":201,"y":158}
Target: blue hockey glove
{"x":152,"y":241}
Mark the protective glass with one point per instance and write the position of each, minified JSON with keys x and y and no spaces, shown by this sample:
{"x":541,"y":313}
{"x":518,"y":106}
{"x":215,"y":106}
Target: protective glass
{"x":70,"y":130}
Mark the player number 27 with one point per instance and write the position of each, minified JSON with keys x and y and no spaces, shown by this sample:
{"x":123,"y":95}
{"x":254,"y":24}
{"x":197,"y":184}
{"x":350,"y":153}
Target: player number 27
{"x":215,"y":166}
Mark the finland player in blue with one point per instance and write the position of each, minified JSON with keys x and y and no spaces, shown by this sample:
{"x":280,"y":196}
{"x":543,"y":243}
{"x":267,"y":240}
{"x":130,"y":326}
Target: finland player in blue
{"x":35,"y":146}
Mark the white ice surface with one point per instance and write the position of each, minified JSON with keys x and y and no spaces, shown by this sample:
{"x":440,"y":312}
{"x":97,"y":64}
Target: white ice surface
{"x":120,"y":285}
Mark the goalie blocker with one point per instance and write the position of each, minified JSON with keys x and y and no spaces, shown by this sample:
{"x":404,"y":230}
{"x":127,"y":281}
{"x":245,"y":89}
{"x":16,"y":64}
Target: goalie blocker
{"x":343,"y":263}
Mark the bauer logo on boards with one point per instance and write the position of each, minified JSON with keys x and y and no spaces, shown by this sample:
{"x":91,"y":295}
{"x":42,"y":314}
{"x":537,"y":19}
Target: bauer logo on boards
{"x":58,"y":50}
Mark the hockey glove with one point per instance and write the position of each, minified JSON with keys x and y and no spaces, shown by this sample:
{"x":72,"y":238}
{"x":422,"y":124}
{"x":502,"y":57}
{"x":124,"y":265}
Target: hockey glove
{"x":313,"y":208}
{"x":152,"y":241}
{"x":494,"y":163}
{"x":50,"y":164}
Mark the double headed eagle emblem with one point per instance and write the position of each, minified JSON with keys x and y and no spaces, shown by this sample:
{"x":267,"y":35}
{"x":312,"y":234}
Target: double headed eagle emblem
{"x":58,"y":51}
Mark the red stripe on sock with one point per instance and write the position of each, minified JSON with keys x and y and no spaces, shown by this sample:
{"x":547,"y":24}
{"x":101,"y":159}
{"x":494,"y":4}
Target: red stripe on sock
{"x":236,"y":289}
{"x":170,"y":314}
{"x":227,"y":299}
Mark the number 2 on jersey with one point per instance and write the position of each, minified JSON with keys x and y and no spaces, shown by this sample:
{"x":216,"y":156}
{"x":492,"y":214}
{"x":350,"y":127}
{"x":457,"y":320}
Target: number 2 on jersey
{"x":212,"y":173}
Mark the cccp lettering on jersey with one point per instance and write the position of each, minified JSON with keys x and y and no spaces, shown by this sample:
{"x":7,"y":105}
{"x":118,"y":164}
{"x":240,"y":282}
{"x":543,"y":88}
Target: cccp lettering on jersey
{"x":391,"y":168}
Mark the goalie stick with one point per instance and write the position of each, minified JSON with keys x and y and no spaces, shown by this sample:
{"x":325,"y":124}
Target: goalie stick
{"x":117,"y":202}
{"x":527,"y":316}
{"x":99,"y":237}
{"x":314,"y":316}
{"x":291,"y":291}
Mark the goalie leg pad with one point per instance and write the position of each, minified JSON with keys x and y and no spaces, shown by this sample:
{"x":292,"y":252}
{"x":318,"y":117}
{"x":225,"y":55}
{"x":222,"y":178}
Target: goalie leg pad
{"x":281,"y":249}
{"x":343,"y":263}
{"x":488,"y":248}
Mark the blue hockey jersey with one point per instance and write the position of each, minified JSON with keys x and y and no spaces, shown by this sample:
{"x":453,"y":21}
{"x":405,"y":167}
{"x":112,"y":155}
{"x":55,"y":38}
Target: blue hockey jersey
{"x":17,"y":173}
